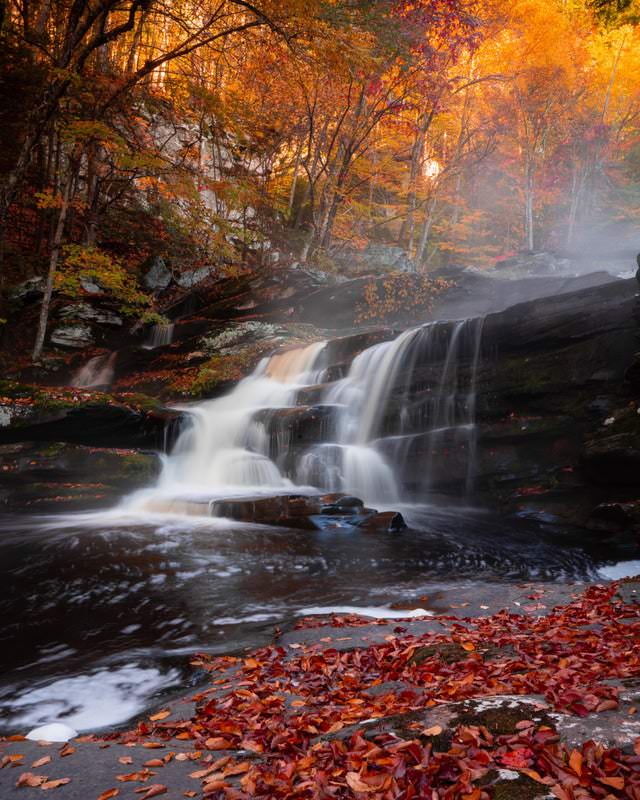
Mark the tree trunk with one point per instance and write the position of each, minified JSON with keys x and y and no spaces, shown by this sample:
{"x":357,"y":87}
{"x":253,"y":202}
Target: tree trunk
{"x":528,"y":211}
{"x":426,"y":230}
{"x":53,"y":265}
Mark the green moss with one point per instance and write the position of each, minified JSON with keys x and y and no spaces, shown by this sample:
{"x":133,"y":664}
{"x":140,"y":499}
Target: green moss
{"x":221,"y":370}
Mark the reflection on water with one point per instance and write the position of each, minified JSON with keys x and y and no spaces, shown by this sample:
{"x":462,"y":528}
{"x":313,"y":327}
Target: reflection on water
{"x":100,"y":610}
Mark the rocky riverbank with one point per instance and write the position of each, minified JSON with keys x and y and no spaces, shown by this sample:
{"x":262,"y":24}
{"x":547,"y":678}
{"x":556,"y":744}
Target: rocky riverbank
{"x":526,"y":692}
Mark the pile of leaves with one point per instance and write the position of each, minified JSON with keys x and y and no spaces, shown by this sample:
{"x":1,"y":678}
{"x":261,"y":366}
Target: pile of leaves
{"x":310,"y":721}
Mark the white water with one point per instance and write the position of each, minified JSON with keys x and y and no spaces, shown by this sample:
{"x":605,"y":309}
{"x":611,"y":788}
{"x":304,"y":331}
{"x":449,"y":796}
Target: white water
{"x":98,"y":371}
{"x":161,"y":336}
{"x":239,"y":445}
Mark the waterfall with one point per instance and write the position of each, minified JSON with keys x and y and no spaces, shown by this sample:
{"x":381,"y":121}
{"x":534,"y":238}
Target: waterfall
{"x":377,"y":425}
{"x":408,"y":401}
{"x":161,"y":336}
{"x":98,"y":371}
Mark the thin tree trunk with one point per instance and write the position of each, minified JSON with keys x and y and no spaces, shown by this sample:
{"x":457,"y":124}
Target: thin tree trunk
{"x":53,"y":265}
{"x":294,"y":182}
{"x":529,"y":200}
{"x":426,"y":230}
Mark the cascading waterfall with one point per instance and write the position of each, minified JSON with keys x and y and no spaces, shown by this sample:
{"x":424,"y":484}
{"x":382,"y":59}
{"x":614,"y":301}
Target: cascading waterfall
{"x":98,"y":371}
{"x":379,"y":422}
{"x":412,"y":397}
{"x":161,"y":336}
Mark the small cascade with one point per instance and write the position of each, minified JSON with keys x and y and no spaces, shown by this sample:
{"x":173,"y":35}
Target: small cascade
{"x":399,"y":424}
{"x":161,"y":335}
{"x":224,"y":446}
{"x":98,"y":371}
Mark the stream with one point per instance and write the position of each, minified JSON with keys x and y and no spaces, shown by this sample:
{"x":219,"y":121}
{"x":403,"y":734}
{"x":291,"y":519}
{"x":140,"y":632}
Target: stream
{"x":102,"y":610}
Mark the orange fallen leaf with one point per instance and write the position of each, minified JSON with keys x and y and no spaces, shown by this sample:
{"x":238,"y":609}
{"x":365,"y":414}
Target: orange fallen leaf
{"x":469,"y":646}
{"x":109,"y":793}
{"x":575,"y":762}
{"x":160,"y":715}
{"x":125,"y":760}
{"x":54,"y":784}
{"x":152,"y":791}
{"x":616,"y":783}
{"x":41,"y":762}
{"x":30,"y":779}
{"x":434,"y":730}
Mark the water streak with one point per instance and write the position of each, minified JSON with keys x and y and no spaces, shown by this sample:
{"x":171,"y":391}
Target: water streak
{"x":98,"y":371}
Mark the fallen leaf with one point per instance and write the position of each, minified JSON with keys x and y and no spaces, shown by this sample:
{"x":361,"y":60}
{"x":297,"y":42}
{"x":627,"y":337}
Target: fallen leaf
{"x":160,"y":715}
{"x":434,"y":730}
{"x":575,"y":762}
{"x":108,"y":794}
{"x":152,"y":791}
{"x":30,"y":779}
{"x":54,"y":784}
{"x":616,"y":783}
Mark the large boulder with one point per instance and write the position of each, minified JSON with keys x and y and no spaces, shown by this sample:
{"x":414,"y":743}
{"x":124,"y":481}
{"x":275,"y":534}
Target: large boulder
{"x":72,"y":336}
{"x":158,"y":276}
{"x":89,"y":313}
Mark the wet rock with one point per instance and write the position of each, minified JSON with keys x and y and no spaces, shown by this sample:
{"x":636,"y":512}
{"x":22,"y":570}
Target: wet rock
{"x":306,"y":512}
{"x":73,"y":336}
{"x":29,"y":290}
{"x":384,"y":522}
{"x":614,"y":518}
{"x":97,"y":423}
{"x":55,"y":475}
{"x":613,"y":460}
{"x":87,"y":313}
{"x":158,"y":276}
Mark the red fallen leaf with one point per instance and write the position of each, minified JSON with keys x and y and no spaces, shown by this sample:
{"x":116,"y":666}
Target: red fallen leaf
{"x":517,"y":758}
{"x":560,"y":792}
{"x":109,"y":793}
{"x":54,"y":784}
{"x":636,"y":747}
{"x":30,"y":779}
{"x":152,"y":791}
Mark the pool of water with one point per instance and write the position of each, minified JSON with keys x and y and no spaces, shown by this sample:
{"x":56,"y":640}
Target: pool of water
{"x":101,"y":612}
